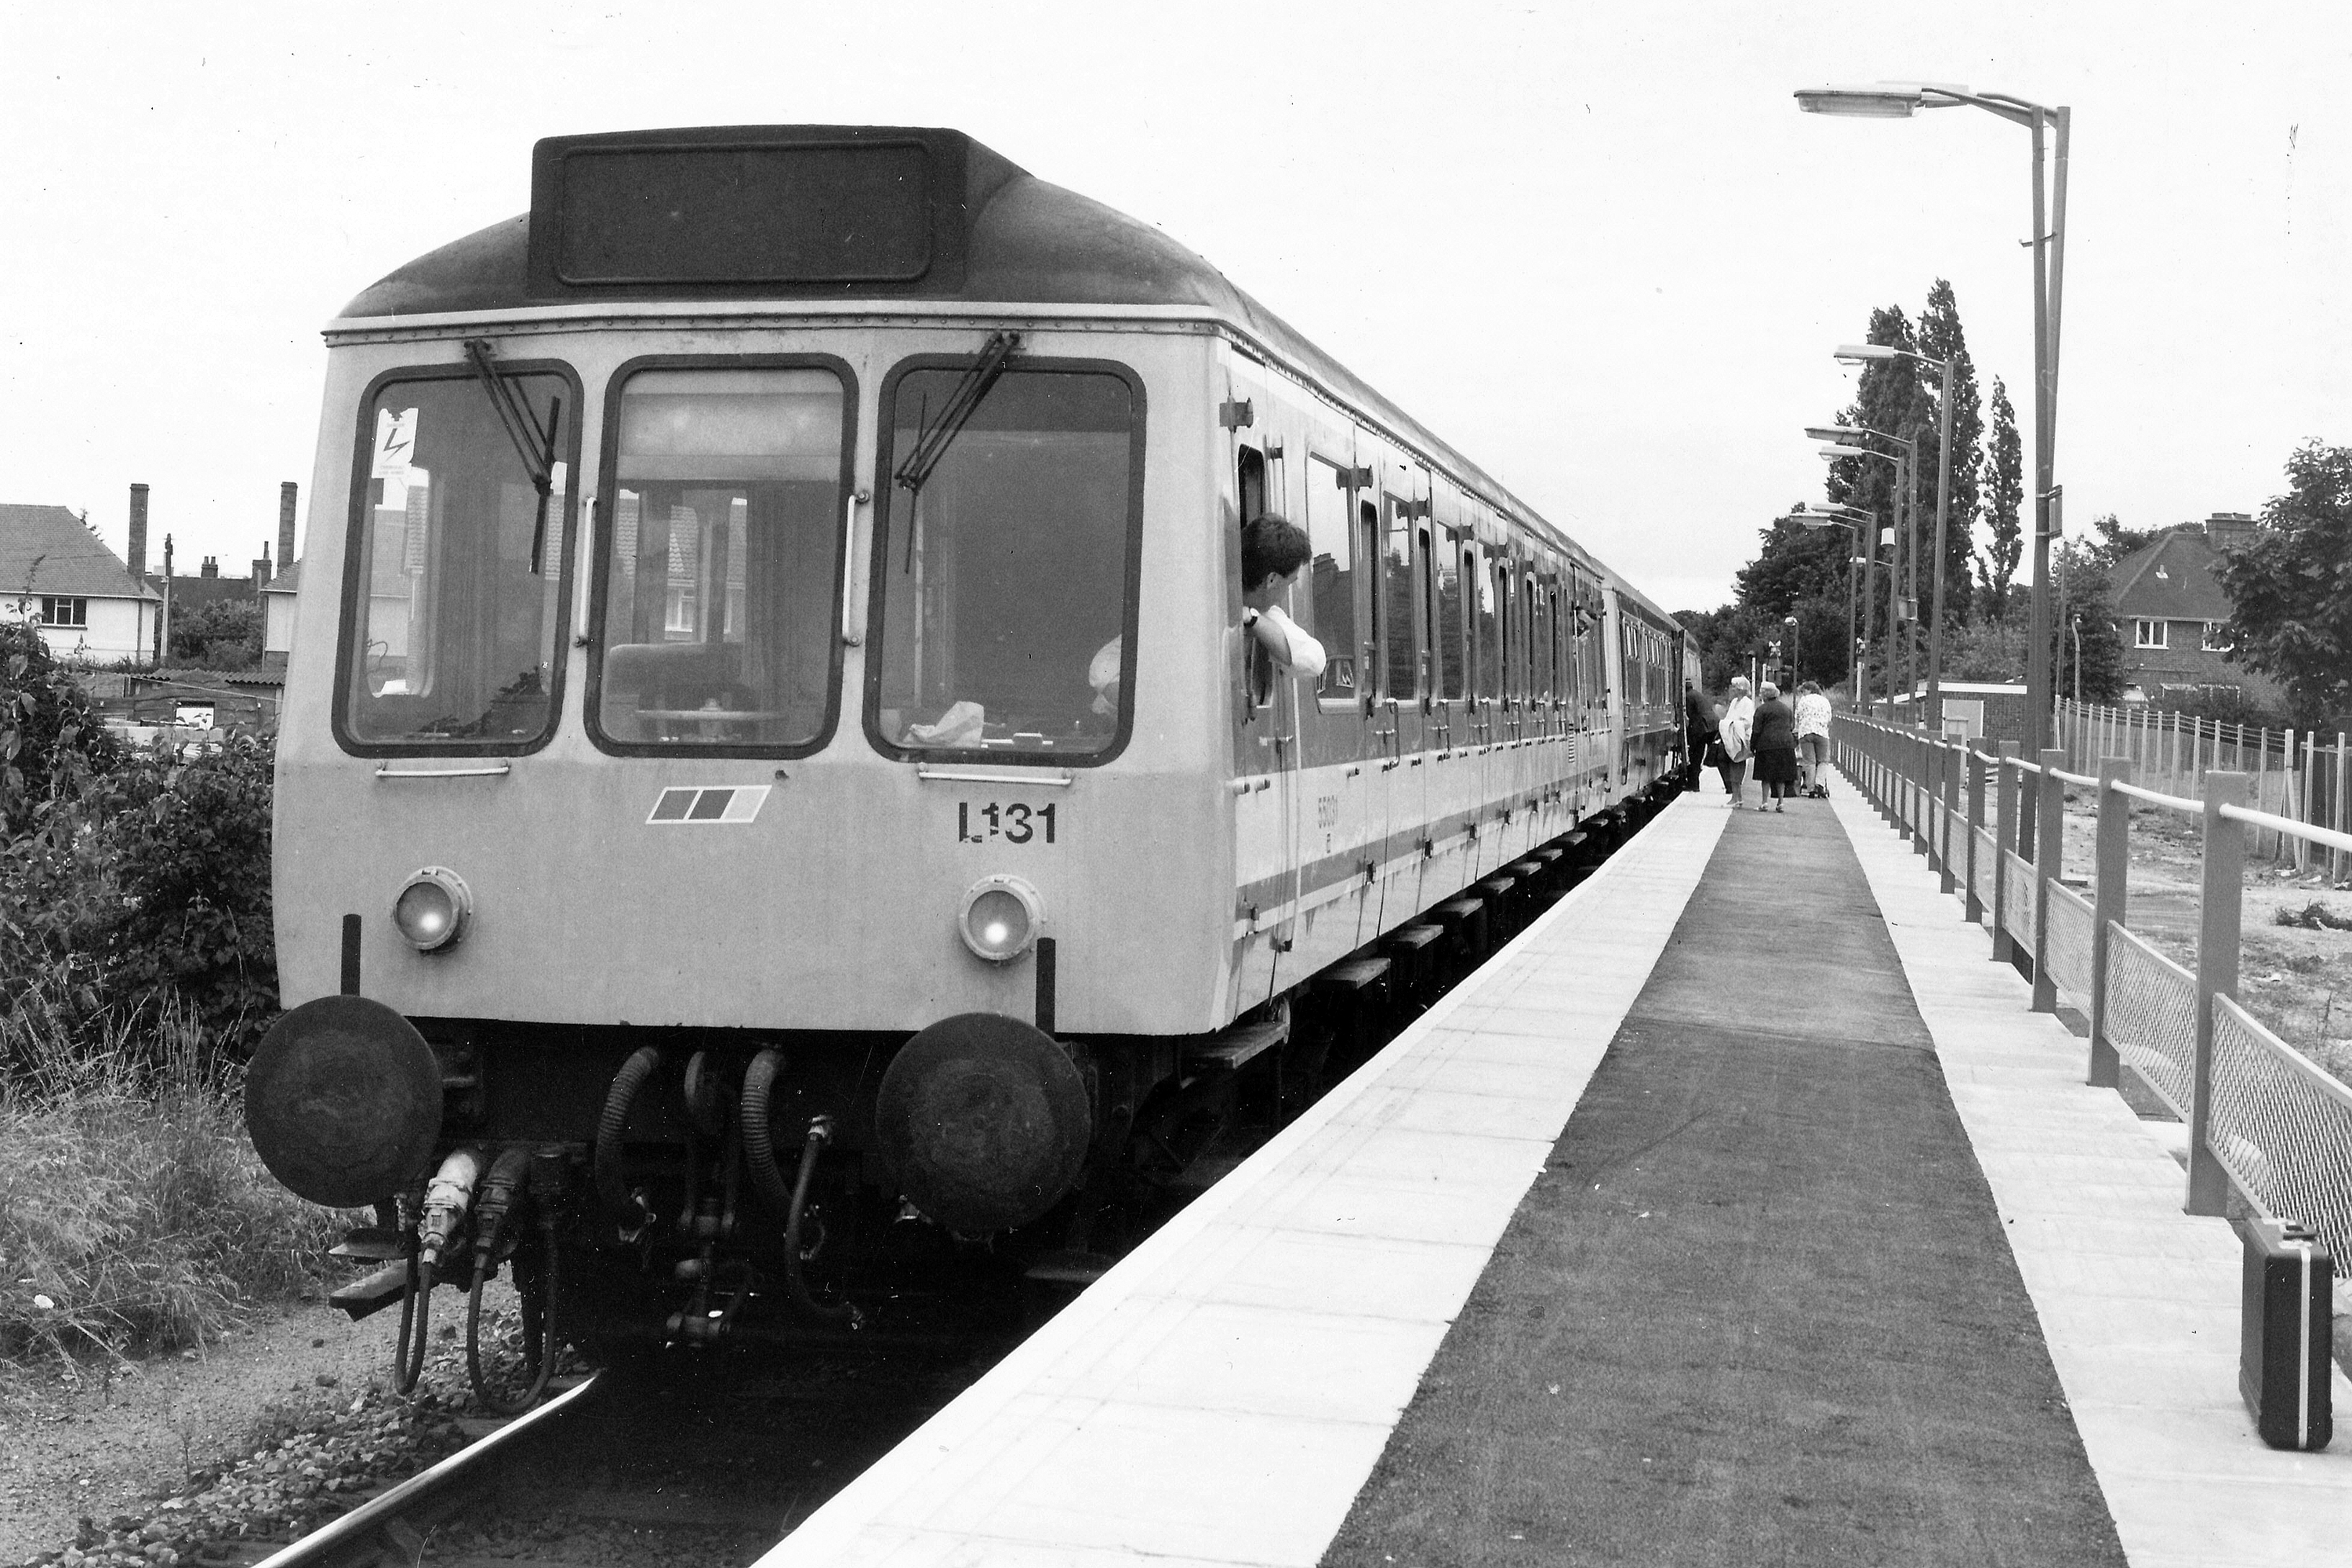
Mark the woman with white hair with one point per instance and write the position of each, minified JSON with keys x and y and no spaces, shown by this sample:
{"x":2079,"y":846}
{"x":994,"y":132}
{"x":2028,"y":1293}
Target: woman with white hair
{"x":1774,"y":741}
{"x":1729,"y":752}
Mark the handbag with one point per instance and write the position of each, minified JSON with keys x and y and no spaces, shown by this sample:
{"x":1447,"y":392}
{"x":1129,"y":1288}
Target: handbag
{"x":1716,"y":756}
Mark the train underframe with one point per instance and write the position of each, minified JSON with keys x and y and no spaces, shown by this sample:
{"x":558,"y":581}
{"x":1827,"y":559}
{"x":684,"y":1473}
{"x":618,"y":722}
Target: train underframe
{"x":689,"y":1186}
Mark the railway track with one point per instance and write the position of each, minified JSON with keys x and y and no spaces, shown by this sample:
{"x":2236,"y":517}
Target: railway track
{"x":684,"y":1458}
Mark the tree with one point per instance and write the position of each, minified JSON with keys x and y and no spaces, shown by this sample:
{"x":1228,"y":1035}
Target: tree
{"x":1796,"y":563}
{"x":1941,"y":338}
{"x":2291,"y":586}
{"x":224,"y":634}
{"x":2004,"y":495}
{"x":2078,"y":572}
{"x":2116,"y":540}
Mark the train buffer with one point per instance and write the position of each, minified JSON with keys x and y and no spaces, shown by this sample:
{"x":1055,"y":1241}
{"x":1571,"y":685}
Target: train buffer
{"x":1795,"y":1231}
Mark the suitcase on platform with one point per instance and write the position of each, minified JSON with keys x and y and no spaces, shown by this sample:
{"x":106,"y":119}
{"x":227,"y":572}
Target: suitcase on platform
{"x":2283,"y":1356}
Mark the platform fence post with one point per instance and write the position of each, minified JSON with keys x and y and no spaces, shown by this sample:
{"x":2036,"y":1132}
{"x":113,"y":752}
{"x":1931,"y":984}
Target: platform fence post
{"x":2049,"y":860}
{"x":1947,"y":810}
{"x":2004,"y":835}
{"x":1975,"y":760}
{"x":2220,"y":896}
{"x":1923,"y":770}
{"x":2110,"y":897}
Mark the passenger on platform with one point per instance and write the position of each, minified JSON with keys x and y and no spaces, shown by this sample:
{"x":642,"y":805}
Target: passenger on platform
{"x":1729,"y":752}
{"x":1774,"y":741}
{"x":1272,"y":552}
{"x":1814,"y":736}
{"x":1698,"y":729}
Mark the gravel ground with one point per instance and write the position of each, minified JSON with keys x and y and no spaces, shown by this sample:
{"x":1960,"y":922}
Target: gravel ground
{"x":139,"y":1461}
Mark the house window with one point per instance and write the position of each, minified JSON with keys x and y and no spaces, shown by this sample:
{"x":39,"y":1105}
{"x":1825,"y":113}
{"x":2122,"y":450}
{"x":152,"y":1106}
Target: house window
{"x":65,"y":612}
{"x":2149,"y":633}
{"x":2215,"y":639}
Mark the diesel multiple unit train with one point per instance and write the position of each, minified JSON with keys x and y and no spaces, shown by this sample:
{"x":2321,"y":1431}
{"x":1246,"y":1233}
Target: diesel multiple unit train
{"x":773,"y":779}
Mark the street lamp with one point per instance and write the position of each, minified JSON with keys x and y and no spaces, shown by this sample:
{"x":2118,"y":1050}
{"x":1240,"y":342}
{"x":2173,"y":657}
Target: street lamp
{"x":1903,"y":466}
{"x":1863,"y":354}
{"x":1900,"y":100}
{"x":1854,"y":520}
{"x":1795,"y":669}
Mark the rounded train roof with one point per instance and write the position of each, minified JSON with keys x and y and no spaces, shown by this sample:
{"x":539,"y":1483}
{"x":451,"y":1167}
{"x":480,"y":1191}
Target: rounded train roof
{"x":1008,"y":237}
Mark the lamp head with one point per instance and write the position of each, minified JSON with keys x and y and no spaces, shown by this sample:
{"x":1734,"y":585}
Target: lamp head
{"x":1834,"y":432}
{"x":1882,"y":102}
{"x":1859,"y":353}
{"x":1835,"y":452}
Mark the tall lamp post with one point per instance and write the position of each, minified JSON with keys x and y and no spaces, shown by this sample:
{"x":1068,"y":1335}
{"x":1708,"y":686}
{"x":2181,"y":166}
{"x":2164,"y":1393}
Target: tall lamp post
{"x":1863,"y":354}
{"x":1853,"y":522}
{"x":1895,"y":562}
{"x":1900,"y":100}
{"x":1842,"y":437}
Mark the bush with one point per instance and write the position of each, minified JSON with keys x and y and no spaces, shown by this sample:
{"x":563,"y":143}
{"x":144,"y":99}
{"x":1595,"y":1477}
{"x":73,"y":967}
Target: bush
{"x":132,"y":1202}
{"x":51,"y":741}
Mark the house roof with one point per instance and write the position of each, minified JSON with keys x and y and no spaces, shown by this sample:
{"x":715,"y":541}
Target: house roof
{"x":48,"y":550}
{"x":192,"y":591}
{"x":2171,"y":578}
{"x":285,"y":582}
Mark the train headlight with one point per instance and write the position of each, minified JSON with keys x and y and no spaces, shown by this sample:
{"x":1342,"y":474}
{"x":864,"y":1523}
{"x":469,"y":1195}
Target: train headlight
{"x":432,"y":910}
{"x":999,"y":918}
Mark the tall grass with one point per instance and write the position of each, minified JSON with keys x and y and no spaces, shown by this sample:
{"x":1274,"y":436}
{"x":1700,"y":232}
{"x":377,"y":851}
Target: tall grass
{"x":130,"y":1198}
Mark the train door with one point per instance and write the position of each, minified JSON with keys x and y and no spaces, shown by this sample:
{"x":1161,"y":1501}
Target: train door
{"x":1614,"y":682}
{"x":1266,"y":739}
{"x":1403,"y":512}
{"x":1339,"y":598}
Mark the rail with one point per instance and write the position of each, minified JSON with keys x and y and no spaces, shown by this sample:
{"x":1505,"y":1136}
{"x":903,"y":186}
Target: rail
{"x":349,"y":1537}
{"x":2265,"y":1121}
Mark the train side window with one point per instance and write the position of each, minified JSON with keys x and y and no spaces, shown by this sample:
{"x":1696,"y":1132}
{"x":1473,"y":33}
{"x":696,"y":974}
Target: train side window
{"x":722,"y":558}
{"x":1006,"y":577}
{"x":1452,"y":665}
{"x":453,"y":612}
{"x":1250,"y":477}
{"x":1539,"y":638}
{"x":1370,"y":673}
{"x":1487,"y":652}
{"x":1332,"y":578}
{"x":1424,"y":575}
{"x":1397,"y":586}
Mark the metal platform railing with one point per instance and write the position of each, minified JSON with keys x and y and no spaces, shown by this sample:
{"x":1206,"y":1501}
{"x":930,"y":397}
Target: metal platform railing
{"x":2264,"y":1119}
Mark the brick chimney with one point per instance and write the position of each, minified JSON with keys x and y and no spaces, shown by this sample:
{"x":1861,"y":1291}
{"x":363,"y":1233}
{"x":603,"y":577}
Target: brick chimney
{"x":285,"y":525}
{"x":211,"y":568}
{"x":138,"y":548}
{"x":2229,"y":529}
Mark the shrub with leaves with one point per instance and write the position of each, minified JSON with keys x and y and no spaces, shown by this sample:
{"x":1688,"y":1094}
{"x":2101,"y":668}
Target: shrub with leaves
{"x":51,"y":741}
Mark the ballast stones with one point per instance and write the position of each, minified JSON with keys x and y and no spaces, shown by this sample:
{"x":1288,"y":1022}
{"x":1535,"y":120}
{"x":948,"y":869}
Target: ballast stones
{"x":342,"y":1101}
{"x":982,"y":1123}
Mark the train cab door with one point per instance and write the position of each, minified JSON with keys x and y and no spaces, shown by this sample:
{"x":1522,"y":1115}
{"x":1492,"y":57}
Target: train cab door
{"x":1336,"y":597}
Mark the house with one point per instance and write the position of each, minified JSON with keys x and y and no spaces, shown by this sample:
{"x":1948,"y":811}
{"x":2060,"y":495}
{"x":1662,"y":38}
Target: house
{"x":91,"y":606}
{"x":2169,"y":610}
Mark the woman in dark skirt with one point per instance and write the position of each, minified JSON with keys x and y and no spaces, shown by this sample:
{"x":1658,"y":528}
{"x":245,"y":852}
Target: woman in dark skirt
{"x":1775,"y":744}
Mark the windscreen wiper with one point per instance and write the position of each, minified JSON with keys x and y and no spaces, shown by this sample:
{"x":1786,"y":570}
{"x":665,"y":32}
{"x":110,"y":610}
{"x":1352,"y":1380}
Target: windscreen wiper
{"x":535,"y":447}
{"x":931,"y":443}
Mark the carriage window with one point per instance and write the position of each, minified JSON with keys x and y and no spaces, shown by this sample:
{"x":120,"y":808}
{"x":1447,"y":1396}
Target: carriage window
{"x":1003,"y":577}
{"x":455,"y":630}
{"x":1398,"y":587}
{"x":1452,"y":663}
{"x":1368,"y":549}
{"x":722,"y":558}
{"x":1250,"y":475}
{"x":1488,"y":632}
{"x":1540,"y":620}
{"x":1332,"y":575}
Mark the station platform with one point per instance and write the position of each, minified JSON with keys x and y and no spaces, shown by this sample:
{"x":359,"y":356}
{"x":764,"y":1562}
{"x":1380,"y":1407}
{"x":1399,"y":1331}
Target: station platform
{"x":1738,"y":1212}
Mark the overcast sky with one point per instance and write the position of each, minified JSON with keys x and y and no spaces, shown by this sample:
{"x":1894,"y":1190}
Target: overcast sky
{"x":1596,"y":247}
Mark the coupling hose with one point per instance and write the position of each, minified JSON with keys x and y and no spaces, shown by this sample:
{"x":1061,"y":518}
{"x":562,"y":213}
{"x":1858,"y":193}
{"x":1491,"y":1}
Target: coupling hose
{"x":630,"y":1209}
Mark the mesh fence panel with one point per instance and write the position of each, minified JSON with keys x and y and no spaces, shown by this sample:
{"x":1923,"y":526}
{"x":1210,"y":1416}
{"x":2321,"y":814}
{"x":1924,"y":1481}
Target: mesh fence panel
{"x":2151,"y":1016}
{"x":2282,"y":1126}
{"x":2018,"y":889}
{"x":2068,"y":945}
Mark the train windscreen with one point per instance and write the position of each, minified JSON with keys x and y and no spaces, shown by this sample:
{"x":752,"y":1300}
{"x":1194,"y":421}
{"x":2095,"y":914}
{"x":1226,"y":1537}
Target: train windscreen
{"x":1007,"y":565}
{"x":723,"y":559}
{"x":453,"y":625}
